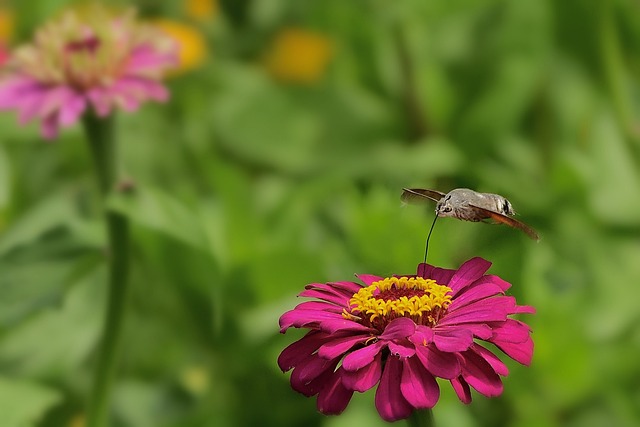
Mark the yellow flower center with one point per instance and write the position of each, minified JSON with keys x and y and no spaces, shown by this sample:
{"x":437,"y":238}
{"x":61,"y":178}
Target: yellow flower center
{"x":422,"y":300}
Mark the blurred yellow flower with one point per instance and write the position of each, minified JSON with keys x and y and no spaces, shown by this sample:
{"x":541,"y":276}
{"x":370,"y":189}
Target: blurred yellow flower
{"x":201,"y":10}
{"x":195,"y":379}
{"x":6,"y":24}
{"x":298,"y":56}
{"x":78,"y":420}
{"x":193,"y":46}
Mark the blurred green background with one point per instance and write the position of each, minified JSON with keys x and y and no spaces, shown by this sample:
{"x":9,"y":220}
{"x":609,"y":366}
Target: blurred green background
{"x":279,"y":161}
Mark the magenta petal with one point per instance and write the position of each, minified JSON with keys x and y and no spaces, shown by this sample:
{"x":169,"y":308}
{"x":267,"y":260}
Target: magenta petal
{"x":480,"y":375}
{"x":496,"y":280}
{"x":29,"y":105}
{"x":309,"y":377}
{"x":335,"y":292}
{"x":520,"y":352}
{"x":365,"y":378}
{"x":473,"y":293}
{"x":147,"y":59}
{"x":298,"y":351}
{"x":358,"y":359}
{"x":319,"y":306}
{"x":157,"y":92}
{"x":313,"y":387}
{"x":368,"y":279}
{"x":327,"y":321}
{"x":424,"y":270}
{"x":100,"y":100}
{"x":141,"y":88}
{"x":475,"y":313}
{"x":301,"y":318}
{"x":71,"y":111}
{"x":126,"y":101}
{"x":452,"y":340}
{"x":418,"y":386}
{"x":511,"y":330}
{"x":390,"y":403}
{"x":441,"y":275}
{"x":462,"y":389}
{"x":399,"y":328}
{"x":496,"y":364}
{"x":327,"y":293}
{"x":339,"y":346}
{"x":311,"y":367}
{"x":14,"y":89}
{"x":422,"y":336}
{"x":55,"y":100}
{"x":479,"y":330}
{"x":402,"y":348}
{"x":337,"y":300}
{"x":524,"y":309}
{"x":337,"y":325}
{"x":49,"y":127}
{"x":333,"y":398}
{"x":468,"y":273}
{"x":440,"y":364}
{"x":346,"y":288}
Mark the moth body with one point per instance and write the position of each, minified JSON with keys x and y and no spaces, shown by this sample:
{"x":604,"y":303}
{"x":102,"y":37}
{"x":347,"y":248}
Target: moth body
{"x":469,"y":205}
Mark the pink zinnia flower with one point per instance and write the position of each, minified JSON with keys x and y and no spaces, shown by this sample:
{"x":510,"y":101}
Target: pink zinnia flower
{"x":79,"y":61}
{"x":4,"y":54}
{"x":401,"y":333}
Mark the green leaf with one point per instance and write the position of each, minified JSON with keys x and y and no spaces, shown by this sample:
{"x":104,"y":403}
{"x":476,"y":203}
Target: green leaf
{"x":41,"y":254}
{"x":37,"y":275}
{"x":22,"y":403}
{"x":56,"y":341}
{"x":615,"y":180}
{"x":50,"y":213}
{"x":395,"y":162}
{"x":157,"y":210}
{"x":135,"y":402}
{"x":261,"y":124}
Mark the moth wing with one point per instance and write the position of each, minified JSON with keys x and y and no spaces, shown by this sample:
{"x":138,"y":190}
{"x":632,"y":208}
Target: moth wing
{"x":418,"y":195}
{"x":511,"y":222}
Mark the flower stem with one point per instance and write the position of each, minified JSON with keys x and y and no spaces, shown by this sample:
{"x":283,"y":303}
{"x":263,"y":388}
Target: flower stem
{"x":100,"y":135}
{"x":421,"y":418}
{"x":615,"y":75}
{"x":415,"y":111}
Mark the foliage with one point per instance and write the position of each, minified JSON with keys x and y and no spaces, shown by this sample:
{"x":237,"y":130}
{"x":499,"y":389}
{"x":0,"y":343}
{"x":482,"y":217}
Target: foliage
{"x":247,"y":186}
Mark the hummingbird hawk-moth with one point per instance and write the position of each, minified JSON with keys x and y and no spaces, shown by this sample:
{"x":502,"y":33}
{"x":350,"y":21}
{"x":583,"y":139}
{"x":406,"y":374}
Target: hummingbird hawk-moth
{"x":469,"y":205}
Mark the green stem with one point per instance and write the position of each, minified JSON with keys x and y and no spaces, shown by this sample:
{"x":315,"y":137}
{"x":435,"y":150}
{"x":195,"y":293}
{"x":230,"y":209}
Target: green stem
{"x":415,"y":111}
{"x":421,"y":418}
{"x":615,"y":76}
{"x":100,"y":135}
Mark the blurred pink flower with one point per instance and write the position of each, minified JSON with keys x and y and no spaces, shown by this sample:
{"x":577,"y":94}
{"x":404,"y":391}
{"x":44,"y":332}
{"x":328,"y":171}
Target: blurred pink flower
{"x":86,"y":60}
{"x":4,"y":54}
{"x":402,"y":333}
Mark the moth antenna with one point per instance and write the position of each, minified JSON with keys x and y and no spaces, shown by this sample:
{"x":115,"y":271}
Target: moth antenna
{"x":426,"y":248}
